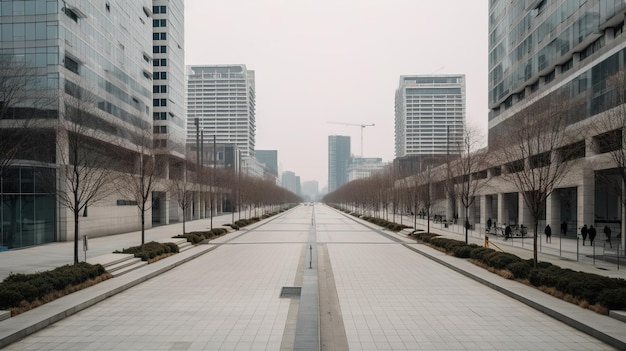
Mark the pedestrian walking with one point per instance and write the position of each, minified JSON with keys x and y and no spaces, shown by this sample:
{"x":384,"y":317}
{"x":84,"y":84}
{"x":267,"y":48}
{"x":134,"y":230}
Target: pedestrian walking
{"x":583,"y":232}
{"x":607,"y":232}
{"x":548,"y":232}
{"x":489,"y":224}
{"x":507,"y":232}
{"x":564,"y":228}
{"x":592,"y":234}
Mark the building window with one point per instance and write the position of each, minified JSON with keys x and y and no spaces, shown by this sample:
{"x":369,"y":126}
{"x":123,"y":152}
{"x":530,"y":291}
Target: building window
{"x":159,"y":129}
{"x":71,"y":64}
{"x":71,"y":14}
{"x":159,"y":9}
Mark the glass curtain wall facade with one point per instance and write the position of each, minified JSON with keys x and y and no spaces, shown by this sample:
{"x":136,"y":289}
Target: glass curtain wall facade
{"x":222,"y":98}
{"x":339,"y":156}
{"x":77,"y":49}
{"x":565,"y":47}
{"x":429,"y":115}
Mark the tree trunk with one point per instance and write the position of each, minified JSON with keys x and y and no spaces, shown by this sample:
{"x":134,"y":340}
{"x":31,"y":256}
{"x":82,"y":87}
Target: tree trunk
{"x":536,"y":225}
{"x":143,"y":225}
{"x":76,"y":236}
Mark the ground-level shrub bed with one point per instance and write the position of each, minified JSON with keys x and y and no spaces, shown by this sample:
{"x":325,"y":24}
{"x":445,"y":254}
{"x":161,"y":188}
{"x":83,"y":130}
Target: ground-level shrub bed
{"x":198,"y":236}
{"x":17,"y":288}
{"x":585,"y":289}
{"x":151,"y":250}
{"x":385,"y":223}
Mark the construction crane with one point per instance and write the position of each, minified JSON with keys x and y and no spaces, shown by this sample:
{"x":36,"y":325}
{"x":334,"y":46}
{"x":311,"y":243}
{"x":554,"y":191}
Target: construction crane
{"x":356,"y":125}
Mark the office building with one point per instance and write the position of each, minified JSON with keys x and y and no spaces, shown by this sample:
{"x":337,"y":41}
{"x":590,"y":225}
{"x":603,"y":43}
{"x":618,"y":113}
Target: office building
{"x":90,"y":58}
{"x":222,"y":98}
{"x":365,"y":167}
{"x":339,"y":156}
{"x":269,"y":158}
{"x":310,"y":190}
{"x":429,"y":114}
{"x":168,"y":60}
{"x":568,"y":50}
{"x":289,"y":181}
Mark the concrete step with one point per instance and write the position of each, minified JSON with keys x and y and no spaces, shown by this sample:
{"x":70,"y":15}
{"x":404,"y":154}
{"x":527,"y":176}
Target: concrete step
{"x":137,"y":264}
{"x":131,"y":261}
{"x":184,"y":246}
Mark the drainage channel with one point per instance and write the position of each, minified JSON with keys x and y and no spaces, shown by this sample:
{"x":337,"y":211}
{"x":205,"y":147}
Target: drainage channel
{"x":308,"y":326}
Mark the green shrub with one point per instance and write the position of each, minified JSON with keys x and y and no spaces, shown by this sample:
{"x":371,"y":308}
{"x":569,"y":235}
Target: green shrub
{"x":151,"y":250}
{"x":613,"y":299}
{"x":426,"y":237}
{"x":18,"y":287}
{"x":520,"y":269}
{"x":479,"y":253}
{"x":464,"y":251}
{"x":500,"y":260}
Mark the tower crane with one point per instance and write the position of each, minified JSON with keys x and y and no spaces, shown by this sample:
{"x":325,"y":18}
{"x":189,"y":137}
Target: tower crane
{"x":356,"y":125}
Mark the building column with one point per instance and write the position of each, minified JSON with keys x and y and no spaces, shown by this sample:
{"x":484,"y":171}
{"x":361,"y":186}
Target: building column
{"x":483,"y":210}
{"x":502,"y":213}
{"x":523,"y":213}
{"x":165,"y":207}
{"x":553,"y":212}
{"x":586,"y":199}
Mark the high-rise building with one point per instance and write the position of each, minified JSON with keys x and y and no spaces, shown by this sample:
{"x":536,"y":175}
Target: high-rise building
{"x":168,"y":60}
{"x":289,"y":181}
{"x":98,"y":54}
{"x":429,"y":114}
{"x":550,"y":47}
{"x":563,"y":53}
{"x":269,"y":158}
{"x":338,"y":161}
{"x":310,"y":189}
{"x":222,"y":98}
{"x":365,"y":167}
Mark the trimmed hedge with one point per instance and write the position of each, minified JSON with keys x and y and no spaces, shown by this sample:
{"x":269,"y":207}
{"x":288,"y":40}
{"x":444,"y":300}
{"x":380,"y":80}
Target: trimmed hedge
{"x":385,"y":223}
{"x":198,"y":236}
{"x":150,"y":250}
{"x":29,"y":287}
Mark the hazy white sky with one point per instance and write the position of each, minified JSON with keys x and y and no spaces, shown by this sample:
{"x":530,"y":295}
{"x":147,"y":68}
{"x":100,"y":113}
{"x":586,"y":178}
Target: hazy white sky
{"x":338,"y":61}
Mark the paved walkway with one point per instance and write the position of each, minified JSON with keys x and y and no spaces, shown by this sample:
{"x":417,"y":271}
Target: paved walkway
{"x":380,"y":291}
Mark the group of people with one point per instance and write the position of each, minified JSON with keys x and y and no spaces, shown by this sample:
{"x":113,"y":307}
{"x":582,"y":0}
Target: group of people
{"x":584,"y":232}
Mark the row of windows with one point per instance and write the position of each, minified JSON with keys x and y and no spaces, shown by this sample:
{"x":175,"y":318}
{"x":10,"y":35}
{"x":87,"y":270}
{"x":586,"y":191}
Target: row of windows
{"x":159,"y":36}
{"x":159,"y":49}
{"x":159,"y":88}
{"x":159,"y":62}
{"x":159,"y":129}
{"x":159,"y":9}
{"x":159,"y":23}
{"x":160,"y":75}
{"x":159,"y":102}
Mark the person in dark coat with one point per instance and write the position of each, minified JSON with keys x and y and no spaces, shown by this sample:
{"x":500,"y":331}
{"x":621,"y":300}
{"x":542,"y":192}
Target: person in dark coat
{"x":564,"y":228}
{"x":489,"y":224}
{"x":592,"y":234}
{"x":507,"y":232}
{"x":583,"y":232}
{"x":607,"y":232}
{"x":548,"y":232}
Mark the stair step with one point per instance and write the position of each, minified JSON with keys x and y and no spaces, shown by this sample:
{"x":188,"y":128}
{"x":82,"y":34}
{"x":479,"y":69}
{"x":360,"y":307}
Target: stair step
{"x":120,"y":265}
{"x":129,"y":268}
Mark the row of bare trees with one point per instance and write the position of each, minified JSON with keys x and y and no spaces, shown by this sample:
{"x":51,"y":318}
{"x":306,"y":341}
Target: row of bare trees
{"x":535,"y":155}
{"x":92,"y":156}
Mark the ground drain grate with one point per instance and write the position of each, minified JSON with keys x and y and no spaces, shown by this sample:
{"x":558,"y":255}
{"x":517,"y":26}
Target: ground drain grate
{"x":290,"y":292}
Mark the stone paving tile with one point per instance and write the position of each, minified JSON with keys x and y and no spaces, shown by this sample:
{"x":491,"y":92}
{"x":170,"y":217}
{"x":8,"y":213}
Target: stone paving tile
{"x":392,"y":299}
{"x":227,"y":300}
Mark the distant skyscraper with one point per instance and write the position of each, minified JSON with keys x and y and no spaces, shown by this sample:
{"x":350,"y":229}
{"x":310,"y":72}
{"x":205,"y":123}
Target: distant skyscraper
{"x":289,"y":181}
{"x":430,"y":114}
{"x":310,"y":189}
{"x":168,"y":100}
{"x":365,"y":167}
{"x":269,"y":158}
{"x":223,"y":99}
{"x":338,"y":161}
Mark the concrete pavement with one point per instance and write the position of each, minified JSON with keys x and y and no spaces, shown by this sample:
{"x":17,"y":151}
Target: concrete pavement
{"x":389,"y":297}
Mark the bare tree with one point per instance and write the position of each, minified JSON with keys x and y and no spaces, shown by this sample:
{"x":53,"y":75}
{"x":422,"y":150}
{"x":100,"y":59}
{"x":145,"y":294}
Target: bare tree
{"x":86,"y":155}
{"x":182,"y":187}
{"x":537,"y":156}
{"x":142,"y":172}
{"x":611,"y":133}
{"x":466,"y":171}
